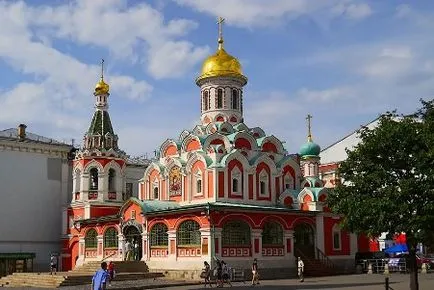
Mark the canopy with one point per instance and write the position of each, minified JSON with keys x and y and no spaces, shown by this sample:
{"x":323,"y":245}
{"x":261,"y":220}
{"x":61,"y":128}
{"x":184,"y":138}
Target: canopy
{"x":399,"y":248}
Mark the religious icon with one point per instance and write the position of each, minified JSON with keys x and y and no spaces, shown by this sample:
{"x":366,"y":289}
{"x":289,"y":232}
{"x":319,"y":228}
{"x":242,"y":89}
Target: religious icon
{"x":175,"y":181}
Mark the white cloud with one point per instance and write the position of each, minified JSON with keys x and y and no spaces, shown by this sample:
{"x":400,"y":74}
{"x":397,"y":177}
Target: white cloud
{"x":251,"y":13}
{"x":327,"y":95}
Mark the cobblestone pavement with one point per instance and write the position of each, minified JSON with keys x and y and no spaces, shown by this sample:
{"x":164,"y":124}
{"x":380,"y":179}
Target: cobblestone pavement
{"x":348,"y":282}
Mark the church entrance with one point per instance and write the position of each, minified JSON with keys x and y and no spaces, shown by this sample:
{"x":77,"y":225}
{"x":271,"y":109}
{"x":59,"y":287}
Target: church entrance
{"x":134,"y":237}
{"x":304,"y":240}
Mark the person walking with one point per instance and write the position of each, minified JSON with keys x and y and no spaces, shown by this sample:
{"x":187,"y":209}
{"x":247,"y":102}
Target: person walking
{"x":111,"y":271}
{"x":99,"y":280}
{"x":300,"y":267}
{"x":255,"y":273}
{"x":226,"y":277}
{"x":128,"y":251}
{"x":206,"y":273}
{"x":53,"y":265}
{"x":136,"y":251}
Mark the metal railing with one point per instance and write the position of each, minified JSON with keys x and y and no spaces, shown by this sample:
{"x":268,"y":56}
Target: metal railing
{"x":323,"y":258}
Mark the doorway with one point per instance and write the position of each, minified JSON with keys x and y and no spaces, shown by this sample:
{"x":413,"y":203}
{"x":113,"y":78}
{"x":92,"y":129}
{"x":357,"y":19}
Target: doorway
{"x":133,"y":235}
{"x":304,"y":239}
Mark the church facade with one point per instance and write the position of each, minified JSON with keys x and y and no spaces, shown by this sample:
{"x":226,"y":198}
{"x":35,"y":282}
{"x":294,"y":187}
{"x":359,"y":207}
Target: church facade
{"x":220,"y":190}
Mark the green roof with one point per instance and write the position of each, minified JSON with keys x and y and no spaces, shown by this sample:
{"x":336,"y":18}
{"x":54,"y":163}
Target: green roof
{"x":310,"y":149}
{"x":22,"y":255}
{"x":101,"y":124}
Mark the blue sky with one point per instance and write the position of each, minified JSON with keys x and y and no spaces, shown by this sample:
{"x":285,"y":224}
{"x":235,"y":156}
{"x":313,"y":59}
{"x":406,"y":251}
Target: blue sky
{"x":343,"y":61}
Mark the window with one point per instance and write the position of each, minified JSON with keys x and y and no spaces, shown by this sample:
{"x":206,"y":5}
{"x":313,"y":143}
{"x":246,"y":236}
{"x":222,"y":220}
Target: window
{"x":234,"y":99}
{"x":158,"y":235}
{"x":272,"y":234}
{"x":93,"y":179}
{"x":206,"y":100}
{"x":188,"y":234}
{"x":336,"y":237}
{"x":235,"y":185}
{"x":288,"y":182}
{"x":90,"y":240}
{"x":111,"y":238}
{"x":236,"y":233}
{"x":111,"y":180}
{"x":155,"y":192}
{"x":263,"y":183}
{"x":133,"y":214}
{"x":128,"y":190}
{"x":199,"y":186}
{"x":219,"y":98}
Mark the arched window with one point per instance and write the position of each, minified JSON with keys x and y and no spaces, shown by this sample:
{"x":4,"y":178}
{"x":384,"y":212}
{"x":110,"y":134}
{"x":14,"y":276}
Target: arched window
{"x":235,"y":185}
{"x":198,"y":178}
{"x":77,"y":183}
{"x":272,"y":234}
{"x":219,"y":98}
{"x":90,"y":240}
{"x":288,"y":182}
{"x":93,"y":179}
{"x":206,"y":100}
{"x":236,"y":233}
{"x":336,"y":237}
{"x":111,"y":238}
{"x":158,"y":235}
{"x":111,"y":180}
{"x":188,"y":234}
{"x":234,"y":99}
{"x":263,"y":183}
{"x":155,"y":192}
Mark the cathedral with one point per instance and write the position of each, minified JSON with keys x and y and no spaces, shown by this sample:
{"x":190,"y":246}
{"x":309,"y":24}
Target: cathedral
{"x":222,"y":190}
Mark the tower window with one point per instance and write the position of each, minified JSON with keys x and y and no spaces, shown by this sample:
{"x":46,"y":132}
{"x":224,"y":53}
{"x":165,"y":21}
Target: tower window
{"x":219,"y":98}
{"x":93,"y":179}
{"x":111,"y":181}
{"x":199,"y":186}
{"x":156,"y":192}
{"x":235,"y":100}
{"x":206,"y":100}
{"x":234,"y":185}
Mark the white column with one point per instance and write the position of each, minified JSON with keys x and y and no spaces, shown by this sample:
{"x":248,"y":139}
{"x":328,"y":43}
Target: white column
{"x":121,"y":246}
{"x":100,"y":247}
{"x":320,"y":232}
{"x":218,"y":237}
{"x":205,"y":235}
{"x":81,"y":252}
{"x":146,"y":247}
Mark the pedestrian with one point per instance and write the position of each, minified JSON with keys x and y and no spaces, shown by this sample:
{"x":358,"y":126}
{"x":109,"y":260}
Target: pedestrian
{"x":255,"y":273}
{"x":226,"y":277}
{"x":128,"y":250}
{"x":99,"y":280}
{"x":53,"y":265}
{"x":300,"y":267}
{"x":111,"y":271}
{"x":206,"y":273}
{"x":219,"y":277}
{"x":136,"y":251}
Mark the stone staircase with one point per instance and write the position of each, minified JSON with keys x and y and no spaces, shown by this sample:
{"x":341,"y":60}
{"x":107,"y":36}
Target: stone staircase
{"x":317,"y":267}
{"x":130,"y":270}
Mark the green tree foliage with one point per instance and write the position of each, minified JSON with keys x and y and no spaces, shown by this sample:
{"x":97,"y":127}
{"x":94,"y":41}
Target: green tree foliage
{"x":388,"y":181}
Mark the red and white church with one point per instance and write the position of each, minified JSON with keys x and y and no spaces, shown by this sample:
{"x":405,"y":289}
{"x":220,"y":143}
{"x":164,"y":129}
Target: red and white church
{"x":221,"y":190}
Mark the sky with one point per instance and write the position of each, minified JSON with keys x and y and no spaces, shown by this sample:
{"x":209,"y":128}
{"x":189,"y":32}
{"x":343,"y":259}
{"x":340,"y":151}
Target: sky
{"x":342,"y":61}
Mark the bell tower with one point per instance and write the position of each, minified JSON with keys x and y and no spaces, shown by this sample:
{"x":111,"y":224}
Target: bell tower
{"x":221,"y":86}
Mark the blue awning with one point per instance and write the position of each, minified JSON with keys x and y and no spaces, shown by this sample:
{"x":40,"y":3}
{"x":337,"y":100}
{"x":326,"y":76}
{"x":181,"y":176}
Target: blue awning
{"x":399,"y":248}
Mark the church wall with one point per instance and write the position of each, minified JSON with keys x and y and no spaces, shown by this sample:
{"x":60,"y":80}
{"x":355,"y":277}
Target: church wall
{"x":34,"y":189}
{"x":329,"y":223}
{"x":97,"y":211}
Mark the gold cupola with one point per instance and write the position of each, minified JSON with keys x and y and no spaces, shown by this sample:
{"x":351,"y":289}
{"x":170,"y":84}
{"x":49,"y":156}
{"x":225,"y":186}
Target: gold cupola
{"x":221,"y":64}
{"x":102,"y":88}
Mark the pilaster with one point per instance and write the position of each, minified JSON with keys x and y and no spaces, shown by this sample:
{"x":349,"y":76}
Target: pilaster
{"x":146,"y":247}
{"x":100,"y":247}
{"x":257,"y":243}
{"x":206,"y":248}
{"x":173,"y":255}
{"x":121,"y":245}
{"x":81,"y":252}
{"x":319,"y":220}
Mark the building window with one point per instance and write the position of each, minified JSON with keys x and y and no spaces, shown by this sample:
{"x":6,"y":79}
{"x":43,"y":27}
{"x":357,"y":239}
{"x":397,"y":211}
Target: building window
{"x":206,"y":100}
{"x":111,"y":238}
{"x":336,"y":237}
{"x":235,"y":185}
{"x":188,"y":234}
{"x":199,"y":186}
{"x":111,"y":180}
{"x":236,"y":233}
{"x":93,"y":179}
{"x":155,"y":192}
{"x":128,"y":190}
{"x":272,"y":234}
{"x":288,"y":182}
{"x":235,"y":99}
{"x":159,"y":236}
{"x":133,"y":214}
{"x":90,"y":240}
{"x":219,"y":98}
{"x":263,"y":183}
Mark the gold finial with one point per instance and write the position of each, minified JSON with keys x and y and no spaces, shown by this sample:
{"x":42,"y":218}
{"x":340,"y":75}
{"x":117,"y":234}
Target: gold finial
{"x":309,"y":128}
{"x":102,"y":69}
{"x":220,"y":21}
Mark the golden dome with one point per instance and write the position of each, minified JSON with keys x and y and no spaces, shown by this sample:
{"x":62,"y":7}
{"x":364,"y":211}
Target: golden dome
{"x":102,"y":88}
{"x":221,"y":64}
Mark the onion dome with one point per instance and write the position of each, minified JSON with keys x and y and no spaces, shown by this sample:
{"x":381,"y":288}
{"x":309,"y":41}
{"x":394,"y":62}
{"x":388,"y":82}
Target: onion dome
{"x":221,"y":64}
{"x":102,"y":88}
{"x":310,"y":148}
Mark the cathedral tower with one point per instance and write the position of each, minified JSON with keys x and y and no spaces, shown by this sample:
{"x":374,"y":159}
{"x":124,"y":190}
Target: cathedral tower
{"x":309,"y":154}
{"x":221,"y":84}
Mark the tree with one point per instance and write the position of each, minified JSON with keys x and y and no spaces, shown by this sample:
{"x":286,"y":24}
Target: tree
{"x":388,"y":181}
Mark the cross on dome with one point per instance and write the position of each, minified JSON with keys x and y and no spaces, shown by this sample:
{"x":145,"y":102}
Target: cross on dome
{"x":309,"y":127}
{"x":220,"y":21}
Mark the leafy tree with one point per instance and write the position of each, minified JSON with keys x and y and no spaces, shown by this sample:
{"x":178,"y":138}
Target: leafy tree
{"x":388,"y":181}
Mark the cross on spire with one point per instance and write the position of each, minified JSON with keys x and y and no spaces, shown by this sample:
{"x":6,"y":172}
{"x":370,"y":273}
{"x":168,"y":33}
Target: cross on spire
{"x":102,"y":69}
{"x":309,"y":127}
{"x":220,"y":21}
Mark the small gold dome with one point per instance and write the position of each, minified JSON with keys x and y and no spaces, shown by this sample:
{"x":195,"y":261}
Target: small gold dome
{"x":101,"y":88}
{"x":221,"y":64}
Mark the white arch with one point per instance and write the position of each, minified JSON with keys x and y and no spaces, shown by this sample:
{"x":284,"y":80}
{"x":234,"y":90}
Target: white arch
{"x":187,"y":140}
{"x":248,"y":137}
{"x":303,"y":193}
{"x":166,"y":144}
{"x":192,"y":158}
{"x":272,"y":139}
{"x":267,"y":160}
{"x":235,"y":154}
{"x":215,"y":136}
{"x":93,"y":164}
